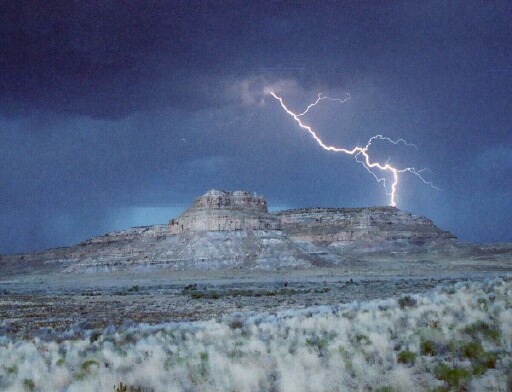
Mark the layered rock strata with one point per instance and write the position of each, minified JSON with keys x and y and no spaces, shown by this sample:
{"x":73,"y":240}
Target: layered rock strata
{"x":225,"y":211}
{"x":363,"y":230}
{"x":234,"y":230}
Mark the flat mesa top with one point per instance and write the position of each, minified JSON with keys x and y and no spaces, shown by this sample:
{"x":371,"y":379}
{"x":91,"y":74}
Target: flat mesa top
{"x":336,"y":210}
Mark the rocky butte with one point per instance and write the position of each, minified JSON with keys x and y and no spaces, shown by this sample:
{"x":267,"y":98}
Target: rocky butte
{"x":234,"y":230}
{"x":225,"y":211}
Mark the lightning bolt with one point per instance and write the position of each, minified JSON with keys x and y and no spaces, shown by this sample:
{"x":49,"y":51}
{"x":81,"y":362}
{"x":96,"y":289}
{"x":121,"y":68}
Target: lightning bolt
{"x":361,"y":154}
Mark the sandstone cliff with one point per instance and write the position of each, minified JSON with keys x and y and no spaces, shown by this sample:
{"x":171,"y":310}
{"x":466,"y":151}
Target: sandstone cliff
{"x":234,"y":230}
{"x":225,"y":211}
{"x":364,"y":230}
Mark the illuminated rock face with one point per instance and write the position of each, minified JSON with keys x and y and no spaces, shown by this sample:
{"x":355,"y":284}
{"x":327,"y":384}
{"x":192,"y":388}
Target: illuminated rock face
{"x":363,"y":230}
{"x":335,"y":230}
{"x":234,"y":230}
{"x":237,"y":200}
{"x":225,"y":211}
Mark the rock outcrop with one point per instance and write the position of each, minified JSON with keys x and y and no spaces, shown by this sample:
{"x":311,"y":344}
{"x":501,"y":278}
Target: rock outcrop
{"x":364,"y":230}
{"x":225,"y":211}
{"x":234,"y":230}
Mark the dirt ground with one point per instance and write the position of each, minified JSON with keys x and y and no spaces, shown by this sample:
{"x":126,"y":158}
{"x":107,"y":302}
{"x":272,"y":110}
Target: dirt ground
{"x":47,"y":305}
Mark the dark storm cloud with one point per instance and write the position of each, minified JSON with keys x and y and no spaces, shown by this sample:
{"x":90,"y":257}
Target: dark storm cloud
{"x":104,"y":59}
{"x":112,"y":107}
{"x":111,"y":58}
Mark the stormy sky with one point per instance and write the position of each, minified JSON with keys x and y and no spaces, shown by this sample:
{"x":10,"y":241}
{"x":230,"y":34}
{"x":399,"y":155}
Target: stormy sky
{"x":119,"y":113}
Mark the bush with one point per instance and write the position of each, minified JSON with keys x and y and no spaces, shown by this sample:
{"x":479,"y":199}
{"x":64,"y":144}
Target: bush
{"x":11,"y":370}
{"x":406,"y":357}
{"x":80,"y":376}
{"x":484,"y":362}
{"x":319,"y":343}
{"x":205,"y":295}
{"x":471,"y":350}
{"x":87,"y":364}
{"x":386,"y":388}
{"x":428,"y":347}
{"x":124,"y":388}
{"x":363,"y":339}
{"x":95,"y":335}
{"x":236,"y":324}
{"x":481,"y":360}
{"x":28,"y":384}
{"x":482,"y":304}
{"x":406,"y":302}
{"x":453,"y":377}
{"x":484,"y":330}
{"x":434,"y":324}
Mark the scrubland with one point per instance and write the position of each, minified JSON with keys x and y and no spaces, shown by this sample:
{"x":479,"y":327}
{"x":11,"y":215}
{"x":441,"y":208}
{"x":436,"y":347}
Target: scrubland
{"x":453,"y":337}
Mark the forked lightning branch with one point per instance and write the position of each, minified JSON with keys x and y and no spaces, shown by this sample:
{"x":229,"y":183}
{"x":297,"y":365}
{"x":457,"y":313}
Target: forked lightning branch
{"x":361,"y":154}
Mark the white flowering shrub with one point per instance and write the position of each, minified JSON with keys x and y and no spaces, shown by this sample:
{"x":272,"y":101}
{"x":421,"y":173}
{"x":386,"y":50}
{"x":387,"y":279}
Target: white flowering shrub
{"x":456,"y":337}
